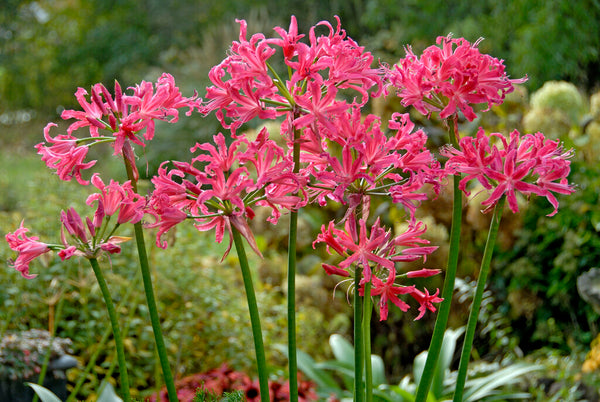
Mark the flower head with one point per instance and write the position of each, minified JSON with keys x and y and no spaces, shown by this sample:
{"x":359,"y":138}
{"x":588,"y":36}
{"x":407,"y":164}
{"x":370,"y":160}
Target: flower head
{"x":118,"y":199}
{"x":529,"y":164}
{"x":127,"y":118}
{"x":223,"y":192}
{"x":244,"y":86}
{"x":452,"y":76}
{"x":65,"y":155}
{"x":28,"y":247}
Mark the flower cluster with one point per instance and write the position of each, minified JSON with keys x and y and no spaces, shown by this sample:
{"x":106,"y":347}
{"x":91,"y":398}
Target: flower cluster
{"x":344,"y":156}
{"x":234,"y":180}
{"x":529,"y":164}
{"x":125,"y":116}
{"x":376,"y":251}
{"x":87,"y":239}
{"x":356,"y":160}
{"x":452,"y":76}
{"x":245,"y":86}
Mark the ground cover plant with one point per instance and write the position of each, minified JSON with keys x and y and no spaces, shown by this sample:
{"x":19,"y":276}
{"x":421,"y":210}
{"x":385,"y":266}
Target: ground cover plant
{"x":326,"y":149}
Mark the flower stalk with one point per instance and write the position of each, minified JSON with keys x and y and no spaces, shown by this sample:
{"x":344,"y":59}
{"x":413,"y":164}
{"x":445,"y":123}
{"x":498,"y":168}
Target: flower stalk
{"x":359,"y":355}
{"x":476,"y":305}
{"x":367,"y":310}
{"x":254,"y":316}
{"x":150,"y":299}
{"x":441,"y":321}
{"x":291,"y":284}
{"x":114,"y":322}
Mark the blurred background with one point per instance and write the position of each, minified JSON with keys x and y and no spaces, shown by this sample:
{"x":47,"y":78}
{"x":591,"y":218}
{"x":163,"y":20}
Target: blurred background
{"x":533,"y":309}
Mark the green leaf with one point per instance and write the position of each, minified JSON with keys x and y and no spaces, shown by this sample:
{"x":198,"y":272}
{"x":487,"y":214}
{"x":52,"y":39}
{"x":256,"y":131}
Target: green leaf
{"x":44,"y":393}
{"x":445,"y":359}
{"x":108,"y":393}
{"x":306,"y":364}
{"x":378,"y":370}
{"x":482,"y":387}
{"x":342,"y":349}
{"x":404,"y":394}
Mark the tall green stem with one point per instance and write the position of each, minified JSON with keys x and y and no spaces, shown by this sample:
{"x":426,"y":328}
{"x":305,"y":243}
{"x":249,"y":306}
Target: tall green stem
{"x":114,"y":322}
{"x":367,"y":310}
{"x":359,"y":359}
{"x":448,"y":290}
{"x":291,"y":285}
{"x":150,"y":299}
{"x":254,"y":316}
{"x":476,"y":305}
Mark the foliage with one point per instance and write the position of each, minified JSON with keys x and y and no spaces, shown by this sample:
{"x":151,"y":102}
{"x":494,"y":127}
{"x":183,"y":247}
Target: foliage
{"x":562,"y":378}
{"x":202,"y":395}
{"x":495,"y":339}
{"x":335,"y":378}
{"x":488,"y":382}
{"x":528,"y":34}
{"x":47,"y":46}
{"x":556,"y":110}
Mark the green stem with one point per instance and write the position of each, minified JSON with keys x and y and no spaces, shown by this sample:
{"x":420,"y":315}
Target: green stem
{"x":359,"y":360}
{"x":291,"y":285}
{"x":448,"y":290}
{"x":254,"y":316}
{"x":367,"y":310}
{"x":114,"y":322}
{"x":291,"y":307}
{"x":153,"y":311}
{"x":150,"y":300}
{"x":476,"y":305}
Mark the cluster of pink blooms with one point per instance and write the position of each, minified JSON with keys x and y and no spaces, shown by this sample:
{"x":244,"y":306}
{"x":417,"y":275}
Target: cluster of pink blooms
{"x":345,"y":156}
{"x":377,"y":252}
{"x":87,"y":239}
{"x":244,"y":86}
{"x":128,"y":118}
{"x":223,"y":194}
{"x":449,"y":77}
{"x":529,"y":164}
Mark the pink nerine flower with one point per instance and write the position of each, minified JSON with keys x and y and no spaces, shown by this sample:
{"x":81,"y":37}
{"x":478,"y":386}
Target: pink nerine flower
{"x":126,"y":118}
{"x":85,"y":239}
{"x":119,"y":198}
{"x":245,"y":87}
{"x":364,"y":161}
{"x":66,"y":156}
{"x":449,"y":77}
{"x":529,"y":164}
{"x":222,"y":193}
{"x":29,"y":248}
{"x":376,"y":253}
